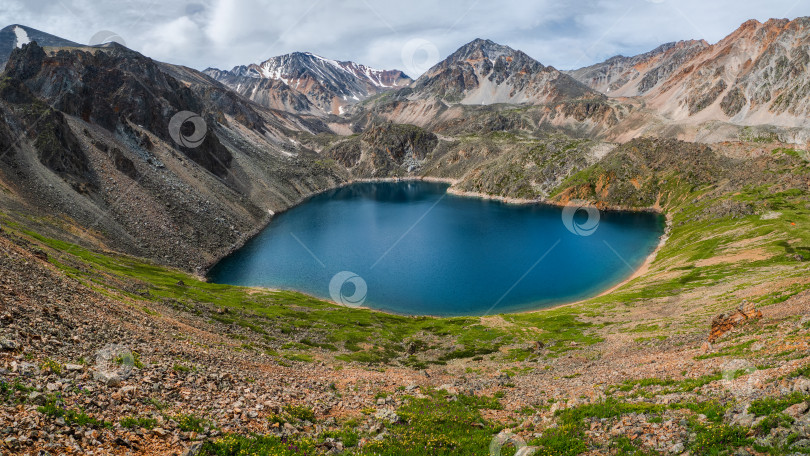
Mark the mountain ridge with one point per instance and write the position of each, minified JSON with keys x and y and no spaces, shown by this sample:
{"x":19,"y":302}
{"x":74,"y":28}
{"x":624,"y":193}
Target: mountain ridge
{"x":758,"y":74}
{"x":309,"y":82}
{"x":484,"y":72}
{"x":14,"y":35}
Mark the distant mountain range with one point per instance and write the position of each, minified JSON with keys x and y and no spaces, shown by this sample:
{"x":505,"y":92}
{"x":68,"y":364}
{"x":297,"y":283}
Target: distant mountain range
{"x":305,"y":82}
{"x":756,"y":75}
{"x":86,"y":131}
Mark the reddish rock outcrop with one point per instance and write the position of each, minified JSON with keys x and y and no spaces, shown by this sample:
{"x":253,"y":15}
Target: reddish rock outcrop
{"x":724,"y":323}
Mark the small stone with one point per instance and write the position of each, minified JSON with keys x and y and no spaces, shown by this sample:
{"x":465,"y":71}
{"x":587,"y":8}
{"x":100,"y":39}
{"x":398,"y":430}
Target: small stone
{"x":128,"y":390}
{"x":73,"y":367}
{"x":7,"y":344}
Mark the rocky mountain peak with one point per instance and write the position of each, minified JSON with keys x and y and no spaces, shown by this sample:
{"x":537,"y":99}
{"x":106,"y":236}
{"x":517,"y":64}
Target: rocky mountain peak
{"x":16,"y":35}
{"x":484,"y":72}
{"x":481,"y":48}
{"x":309,"y":82}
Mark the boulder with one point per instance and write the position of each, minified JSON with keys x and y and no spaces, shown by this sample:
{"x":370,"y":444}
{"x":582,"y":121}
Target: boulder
{"x":106,"y":378}
{"x":796,"y":410}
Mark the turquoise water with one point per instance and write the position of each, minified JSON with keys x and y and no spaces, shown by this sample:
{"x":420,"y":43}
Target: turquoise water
{"x":411,"y":248}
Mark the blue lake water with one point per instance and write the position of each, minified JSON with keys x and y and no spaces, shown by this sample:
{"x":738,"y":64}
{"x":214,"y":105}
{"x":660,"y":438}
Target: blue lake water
{"x":411,"y":248}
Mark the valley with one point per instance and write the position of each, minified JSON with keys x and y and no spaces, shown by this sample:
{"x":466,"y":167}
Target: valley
{"x":109,"y":223}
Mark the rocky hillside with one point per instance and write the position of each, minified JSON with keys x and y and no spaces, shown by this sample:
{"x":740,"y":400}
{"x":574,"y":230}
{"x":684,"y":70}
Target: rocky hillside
{"x":303,"y":82}
{"x":385,"y":150}
{"x":89,"y":140}
{"x":622,"y":76}
{"x":756,"y":75}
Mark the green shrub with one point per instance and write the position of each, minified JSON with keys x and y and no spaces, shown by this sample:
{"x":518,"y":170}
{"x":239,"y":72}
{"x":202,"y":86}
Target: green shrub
{"x":55,"y":409}
{"x":138,"y":422}
{"x":190,"y":423}
{"x":300,"y":412}
{"x":717,"y":439}
{"x":772,"y":405}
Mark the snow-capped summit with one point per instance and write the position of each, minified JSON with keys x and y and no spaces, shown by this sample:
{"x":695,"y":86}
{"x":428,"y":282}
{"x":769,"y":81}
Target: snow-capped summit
{"x":328,"y":85}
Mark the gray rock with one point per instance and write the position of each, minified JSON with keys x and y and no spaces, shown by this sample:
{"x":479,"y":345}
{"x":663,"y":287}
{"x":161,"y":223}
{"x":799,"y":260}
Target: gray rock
{"x":801,"y":445}
{"x":107,"y":379}
{"x":7,"y":344}
{"x":194,"y":449}
{"x":37,"y":398}
{"x":801,"y":385}
{"x":387,"y":415}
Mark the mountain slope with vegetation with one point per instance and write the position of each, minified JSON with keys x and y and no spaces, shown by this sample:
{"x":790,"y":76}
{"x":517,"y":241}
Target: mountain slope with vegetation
{"x":112,"y":342}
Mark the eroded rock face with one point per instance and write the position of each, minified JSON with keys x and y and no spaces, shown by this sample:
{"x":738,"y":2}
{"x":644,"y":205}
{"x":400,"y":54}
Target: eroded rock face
{"x":112,"y":89}
{"x":724,"y":323}
{"x":758,"y":70}
{"x":385,"y":150}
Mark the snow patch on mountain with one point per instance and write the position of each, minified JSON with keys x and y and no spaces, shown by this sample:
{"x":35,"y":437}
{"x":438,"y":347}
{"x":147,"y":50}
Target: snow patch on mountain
{"x":327,"y":84}
{"x":22,"y":36}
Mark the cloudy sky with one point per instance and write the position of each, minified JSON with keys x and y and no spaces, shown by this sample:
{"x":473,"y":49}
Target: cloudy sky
{"x":409,"y":35}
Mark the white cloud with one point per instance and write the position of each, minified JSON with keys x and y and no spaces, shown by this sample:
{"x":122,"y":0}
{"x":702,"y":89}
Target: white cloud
{"x":225,"y":33}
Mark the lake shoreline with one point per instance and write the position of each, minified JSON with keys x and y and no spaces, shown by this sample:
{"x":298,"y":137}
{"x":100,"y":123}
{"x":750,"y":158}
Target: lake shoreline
{"x":640,"y":271}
